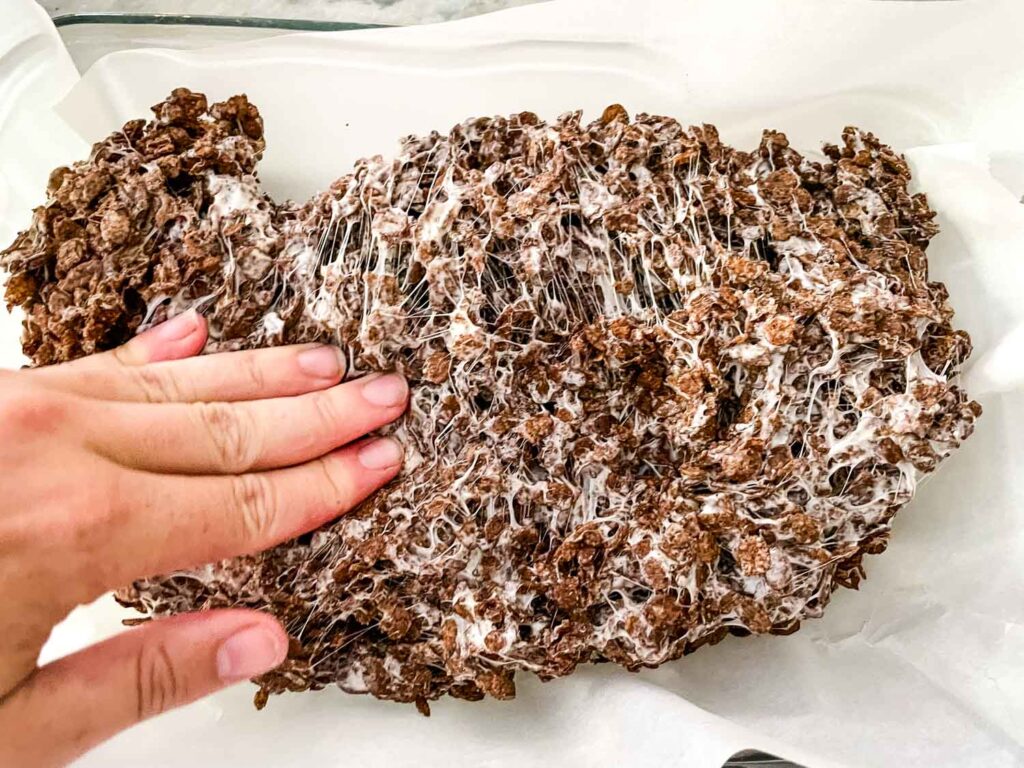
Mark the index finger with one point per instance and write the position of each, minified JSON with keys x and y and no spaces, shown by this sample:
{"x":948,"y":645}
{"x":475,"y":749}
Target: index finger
{"x":225,"y":376}
{"x":182,"y":336}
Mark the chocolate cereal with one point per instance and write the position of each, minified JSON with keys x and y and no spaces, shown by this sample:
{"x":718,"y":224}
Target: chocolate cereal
{"x":663,"y":390}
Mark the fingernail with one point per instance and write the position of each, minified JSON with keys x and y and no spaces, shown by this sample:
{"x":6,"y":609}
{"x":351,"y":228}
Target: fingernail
{"x":249,"y":653}
{"x":322,"y":362}
{"x":386,"y":391}
{"x":178,"y":328}
{"x":380,"y":454}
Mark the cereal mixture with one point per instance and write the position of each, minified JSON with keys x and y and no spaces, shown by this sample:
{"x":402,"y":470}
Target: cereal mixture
{"x":663,"y":390}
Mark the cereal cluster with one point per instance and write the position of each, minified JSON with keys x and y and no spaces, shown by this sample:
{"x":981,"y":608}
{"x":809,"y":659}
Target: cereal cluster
{"x":663,"y":390}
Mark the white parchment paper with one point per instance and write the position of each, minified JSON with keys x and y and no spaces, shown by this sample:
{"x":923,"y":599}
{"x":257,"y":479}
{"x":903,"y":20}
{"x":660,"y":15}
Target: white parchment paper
{"x":924,"y":666}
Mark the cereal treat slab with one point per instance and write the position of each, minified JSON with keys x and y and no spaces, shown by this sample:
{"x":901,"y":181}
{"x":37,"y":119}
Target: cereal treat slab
{"x":663,"y":390}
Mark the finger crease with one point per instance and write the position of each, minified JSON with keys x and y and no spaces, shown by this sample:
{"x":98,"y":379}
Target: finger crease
{"x":339,"y":494}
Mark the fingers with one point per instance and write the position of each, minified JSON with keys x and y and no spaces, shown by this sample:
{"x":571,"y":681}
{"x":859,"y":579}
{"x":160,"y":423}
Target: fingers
{"x":73,"y":704}
{"x":212,"y":438}
{"x":229,"y":376}
{"x":169,"y":522}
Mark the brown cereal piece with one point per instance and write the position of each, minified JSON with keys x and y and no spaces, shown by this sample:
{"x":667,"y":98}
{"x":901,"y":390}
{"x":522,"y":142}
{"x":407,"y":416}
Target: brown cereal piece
{"x":753,"y":556}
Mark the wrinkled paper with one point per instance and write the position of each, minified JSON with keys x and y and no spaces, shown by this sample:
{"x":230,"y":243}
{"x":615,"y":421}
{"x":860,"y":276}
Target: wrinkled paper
{"x":924,"y":666}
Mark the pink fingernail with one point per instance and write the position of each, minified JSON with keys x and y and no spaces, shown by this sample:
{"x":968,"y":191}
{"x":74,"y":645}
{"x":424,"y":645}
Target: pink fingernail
{"x":381,"y":453}
{"x":322,"y":362}
{"x":178,"y":328}
{"x":386,"y":391}
{"x":250,"y":652}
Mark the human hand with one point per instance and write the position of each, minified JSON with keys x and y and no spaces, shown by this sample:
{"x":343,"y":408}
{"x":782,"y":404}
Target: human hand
{"x":143,"y":461}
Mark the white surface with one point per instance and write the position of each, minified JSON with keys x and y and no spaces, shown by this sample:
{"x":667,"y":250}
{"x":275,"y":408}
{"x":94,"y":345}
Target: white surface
{"x":87,"y":42}
{"x":925,"y":665}
{"x":362,"y":11}
{"x":35,"y":71}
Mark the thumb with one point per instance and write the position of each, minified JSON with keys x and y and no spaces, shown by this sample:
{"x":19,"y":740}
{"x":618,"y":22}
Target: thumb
{"x":75,"y":703}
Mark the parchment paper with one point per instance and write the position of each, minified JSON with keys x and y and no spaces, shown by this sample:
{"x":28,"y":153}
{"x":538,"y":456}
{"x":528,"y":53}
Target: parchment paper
{"x":924,"y":666}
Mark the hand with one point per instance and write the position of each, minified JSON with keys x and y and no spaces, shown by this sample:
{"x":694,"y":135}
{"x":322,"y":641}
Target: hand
{"x":145,"y":460}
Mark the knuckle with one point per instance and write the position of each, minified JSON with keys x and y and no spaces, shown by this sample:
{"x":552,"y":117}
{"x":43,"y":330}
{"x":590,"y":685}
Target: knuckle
{"x":254,"y":505}
{"x":106,"y":496}
{"x":31,"y":411}
{"x":96,"y":504}
{"x":85,"y":527}
{"x":158,"y":684}
{"x":97,"y":507}
{"x":337,"y":497}
{"x":325,"y":409}
{"x":157,"y":386}
{"x":124,"y":355}
{"x":253,"y":373}
{"x":231,"y":434}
